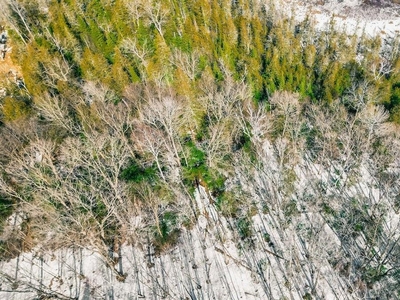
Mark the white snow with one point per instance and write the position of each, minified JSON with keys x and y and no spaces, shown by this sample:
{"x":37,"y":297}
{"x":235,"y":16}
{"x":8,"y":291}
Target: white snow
{"x":348,"y":15}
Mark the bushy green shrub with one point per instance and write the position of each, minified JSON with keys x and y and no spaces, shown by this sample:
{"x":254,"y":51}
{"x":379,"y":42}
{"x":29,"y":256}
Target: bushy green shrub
{"x":135,"y":173}
{"x":169,"y":232}
{"x":6,"y":209}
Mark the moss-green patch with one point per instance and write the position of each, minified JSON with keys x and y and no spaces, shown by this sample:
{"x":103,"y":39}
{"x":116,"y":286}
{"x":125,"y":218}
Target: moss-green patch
{"x":167,"y":234}
{"x":244,"y":228}
{"x":195,"y":171}
{"x":228,"y":204}
{"x":137,"y":174}
{"x":6,"y":209}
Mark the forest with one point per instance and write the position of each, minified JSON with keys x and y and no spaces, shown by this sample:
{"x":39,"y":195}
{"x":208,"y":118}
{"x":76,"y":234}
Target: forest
{"x":127,"y":112}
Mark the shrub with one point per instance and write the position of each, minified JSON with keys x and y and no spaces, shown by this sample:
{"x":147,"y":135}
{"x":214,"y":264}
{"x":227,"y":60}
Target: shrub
{"x":6,"y":208}
{"x":169,"y":232}
{"x":137,"y":174}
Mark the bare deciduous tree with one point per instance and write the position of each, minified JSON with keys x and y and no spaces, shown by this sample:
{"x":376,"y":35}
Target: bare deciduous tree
{"x":131,"y":46}
{"x":56,"y":70}
{"x":373,"y":116}
{"x":14,"y":6}
{"x":287,"y":105}
{"x":55,"y":110}
{"x":150,"y":140}
{"x":187,"y":62}
{"x":224,"y":113}
{"x":157,"y":12}
{"x":153,"y":201}
{"x":165,"y":113}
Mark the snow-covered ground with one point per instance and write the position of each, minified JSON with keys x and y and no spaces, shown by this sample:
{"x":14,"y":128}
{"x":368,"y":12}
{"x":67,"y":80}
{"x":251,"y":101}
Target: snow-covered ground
{"x":351,"y":16}
{"x":208,"y":263}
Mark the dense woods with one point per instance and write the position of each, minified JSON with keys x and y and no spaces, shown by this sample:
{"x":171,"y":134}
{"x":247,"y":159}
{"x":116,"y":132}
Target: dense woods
{"x":126,"y":108}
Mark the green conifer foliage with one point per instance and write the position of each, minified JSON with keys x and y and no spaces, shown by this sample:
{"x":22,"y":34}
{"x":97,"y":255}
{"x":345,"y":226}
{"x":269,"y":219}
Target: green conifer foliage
{"x":14,"y":109}
{"x":248,"y":39}
{"x":94,"y":66}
